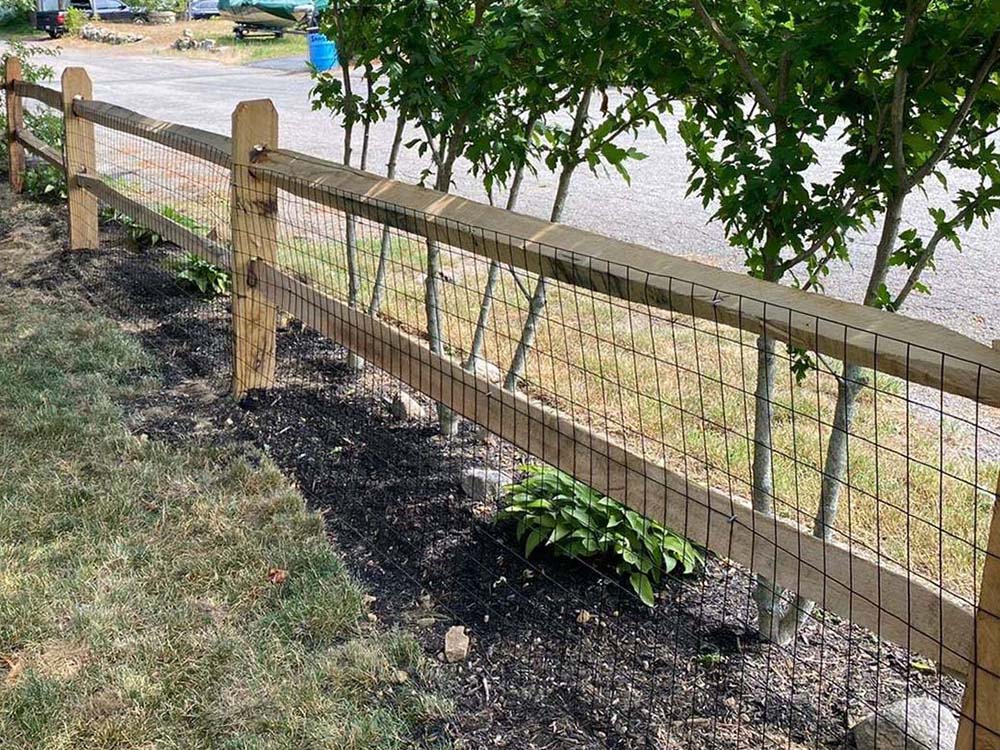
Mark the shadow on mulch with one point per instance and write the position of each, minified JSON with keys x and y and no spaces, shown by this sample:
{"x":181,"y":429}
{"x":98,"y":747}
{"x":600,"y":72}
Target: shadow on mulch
{"x":562,"y":655}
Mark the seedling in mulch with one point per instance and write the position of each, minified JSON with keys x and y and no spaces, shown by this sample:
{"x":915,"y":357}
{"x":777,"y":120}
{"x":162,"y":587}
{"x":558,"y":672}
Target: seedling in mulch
{"x":710,"y":659}
{"x":207,"y":278}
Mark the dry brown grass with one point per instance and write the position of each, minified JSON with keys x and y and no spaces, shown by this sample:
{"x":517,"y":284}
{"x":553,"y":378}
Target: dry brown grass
{"x":159,"y":38}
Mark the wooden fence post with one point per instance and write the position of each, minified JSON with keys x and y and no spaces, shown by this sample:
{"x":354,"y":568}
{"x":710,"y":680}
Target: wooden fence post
{"x":254,"y":206}
{"x":15,"y":122}
{"x":80,"y":158}
{"x":979,"y":726}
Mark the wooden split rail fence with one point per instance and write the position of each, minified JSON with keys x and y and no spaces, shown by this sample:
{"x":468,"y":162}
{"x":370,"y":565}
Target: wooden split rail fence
{"x":899,"y":606}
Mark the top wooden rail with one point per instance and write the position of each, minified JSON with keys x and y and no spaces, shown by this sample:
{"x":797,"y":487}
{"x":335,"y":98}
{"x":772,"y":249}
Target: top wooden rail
{"x":194,"y":141}
{"x":915,"y":350}
{"x":47,"y":96}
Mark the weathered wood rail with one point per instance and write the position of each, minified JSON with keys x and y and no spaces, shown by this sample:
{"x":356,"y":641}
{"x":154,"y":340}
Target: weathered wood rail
{"x":897,"y":604}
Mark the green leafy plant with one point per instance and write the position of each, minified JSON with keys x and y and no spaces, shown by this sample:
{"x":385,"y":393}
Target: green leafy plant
{"x":76,"y":19}
{"x":184,"y":220}
{"x":45,"y":183}
{"x":142,"y":236}
{"x":207,"y":278}
{"x":554,"y":510}
{"x":138,"y":235}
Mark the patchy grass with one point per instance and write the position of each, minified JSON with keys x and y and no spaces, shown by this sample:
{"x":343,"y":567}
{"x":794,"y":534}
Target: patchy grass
{"x":152,"y":596}
{"x":159,"y":39}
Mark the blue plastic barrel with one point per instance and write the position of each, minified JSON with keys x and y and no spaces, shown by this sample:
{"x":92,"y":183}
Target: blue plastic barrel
{"x":322,"y":52}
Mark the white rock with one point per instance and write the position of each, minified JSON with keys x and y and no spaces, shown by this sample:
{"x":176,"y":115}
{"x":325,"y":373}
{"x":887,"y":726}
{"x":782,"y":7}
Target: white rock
{"x":456,"y":644}
{"x":484,"y":485}
{"x":913,"y":724}
{"x":486,"y":369}
{"x":404,"y":406}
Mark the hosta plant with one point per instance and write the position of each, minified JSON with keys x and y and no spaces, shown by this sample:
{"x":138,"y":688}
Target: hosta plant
{"x":555,"y":511}
{"x":207,"y":278}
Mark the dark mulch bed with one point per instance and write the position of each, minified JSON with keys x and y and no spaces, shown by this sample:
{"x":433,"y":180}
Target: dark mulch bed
{"x":690,"y":673}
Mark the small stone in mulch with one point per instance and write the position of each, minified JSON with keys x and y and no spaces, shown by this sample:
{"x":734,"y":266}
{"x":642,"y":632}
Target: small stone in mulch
{"x":456,"y":644}
{"x":584,"y":617}
{"x":404,"y":406}
{"x":484,"y":485}
{"x":912,"y":724}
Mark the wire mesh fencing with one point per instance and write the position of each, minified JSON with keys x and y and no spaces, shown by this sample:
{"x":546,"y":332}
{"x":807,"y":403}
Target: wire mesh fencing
{"x":668,"y":515}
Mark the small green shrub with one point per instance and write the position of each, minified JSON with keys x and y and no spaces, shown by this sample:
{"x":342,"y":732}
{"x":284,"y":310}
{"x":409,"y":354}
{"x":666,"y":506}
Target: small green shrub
{"x":207,"y":278}
{"x":33,"y":72}
{"x":552,"y":509}
{"x":76,"y":19}
{"x":143,"y":237}
{"x":45,"y":183}
{"x":139,"y":236}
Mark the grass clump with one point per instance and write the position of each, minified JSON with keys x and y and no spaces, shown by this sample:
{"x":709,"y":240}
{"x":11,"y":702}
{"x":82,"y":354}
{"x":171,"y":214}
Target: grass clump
{"x":154,"y":596}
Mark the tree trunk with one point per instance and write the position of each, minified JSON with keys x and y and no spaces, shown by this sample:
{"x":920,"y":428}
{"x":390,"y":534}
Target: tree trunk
{"x":447,"y":420}
{"x":378,"y":285}
{"x":834,"y":470}
{"x":354,"y":362}
{"x":538,"y":297}
{"x":493,"y":275}
{"x":848,"y":390}
{"x":767,"y":595}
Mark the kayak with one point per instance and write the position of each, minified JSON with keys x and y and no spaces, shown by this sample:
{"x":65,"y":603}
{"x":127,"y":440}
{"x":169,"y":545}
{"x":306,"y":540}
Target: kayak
{"x":278,"y":14}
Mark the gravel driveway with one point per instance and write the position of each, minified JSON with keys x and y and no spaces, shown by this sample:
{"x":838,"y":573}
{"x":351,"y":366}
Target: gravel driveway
{"x":652,"y":211}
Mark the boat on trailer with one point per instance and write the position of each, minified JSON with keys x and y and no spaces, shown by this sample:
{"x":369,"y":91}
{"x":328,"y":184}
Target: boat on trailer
{"x":269,"y":16}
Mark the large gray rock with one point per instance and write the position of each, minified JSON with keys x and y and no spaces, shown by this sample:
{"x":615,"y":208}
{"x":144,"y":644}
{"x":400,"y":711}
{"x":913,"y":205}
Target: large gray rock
{"x":404,"y":406}
{"x":913,"y":724}
{"x":487,"y":370}
{"x":484,"y":485}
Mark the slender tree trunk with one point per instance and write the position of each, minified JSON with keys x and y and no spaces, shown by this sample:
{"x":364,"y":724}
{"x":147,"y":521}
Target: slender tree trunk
{"x":447,"y":420}
{"x":354,"y":362}
{"x":834,"y":471}
{"x":536,"y":306}
{"x":378,"y":286}
{"x":367,"y":129}
{"x":849,"y":388}
{"x":767,"y":595}
{"x":493,"y":275}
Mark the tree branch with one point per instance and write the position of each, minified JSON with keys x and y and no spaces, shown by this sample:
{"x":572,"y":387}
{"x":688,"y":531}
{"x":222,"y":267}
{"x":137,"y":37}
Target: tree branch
{"x":928,"y":252}
{"x":985,"y":67}
{"x":760,"y":92}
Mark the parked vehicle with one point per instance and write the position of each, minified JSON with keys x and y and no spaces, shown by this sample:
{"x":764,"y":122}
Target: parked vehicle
{"x":114,"y":11}
{"x":201,"y":9}
{"x":269,"y":16}
{"x":50,"y":17}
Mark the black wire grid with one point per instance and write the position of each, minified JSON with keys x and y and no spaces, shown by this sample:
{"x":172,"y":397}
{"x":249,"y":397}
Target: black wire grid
{"x":564,"y":654}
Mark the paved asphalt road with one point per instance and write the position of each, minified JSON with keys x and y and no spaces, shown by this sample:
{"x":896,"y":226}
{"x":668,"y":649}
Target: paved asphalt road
{"x":652,"y":211}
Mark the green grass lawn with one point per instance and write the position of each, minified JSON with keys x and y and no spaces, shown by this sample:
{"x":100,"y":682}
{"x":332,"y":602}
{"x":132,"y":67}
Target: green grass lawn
{"x":154,"y":596}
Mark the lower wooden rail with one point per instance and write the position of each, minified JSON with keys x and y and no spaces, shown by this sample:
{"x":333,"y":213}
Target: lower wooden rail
{"x":897,"y":605}
{"x":170,"y":230}
{"x":37,"y":146}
